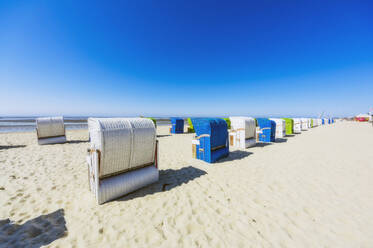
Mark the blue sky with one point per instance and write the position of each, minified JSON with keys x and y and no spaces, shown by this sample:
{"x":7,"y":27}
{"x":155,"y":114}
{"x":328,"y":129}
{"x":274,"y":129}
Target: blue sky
{"x":186,"y":58}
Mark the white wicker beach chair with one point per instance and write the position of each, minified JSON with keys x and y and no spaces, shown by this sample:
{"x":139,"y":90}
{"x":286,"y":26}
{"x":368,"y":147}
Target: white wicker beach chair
{"x":122,"y":156}
{"x":305,"y":123}
{"x":50,"y":130}
{"x":297,"y":125}
{"x":280,"y":127}
{"x":243,"y":132}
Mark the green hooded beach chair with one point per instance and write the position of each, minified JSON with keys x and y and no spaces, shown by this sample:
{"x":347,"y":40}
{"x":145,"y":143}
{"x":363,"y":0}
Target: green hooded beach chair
{"x":289,"y":124}
{"x":190,"y":128}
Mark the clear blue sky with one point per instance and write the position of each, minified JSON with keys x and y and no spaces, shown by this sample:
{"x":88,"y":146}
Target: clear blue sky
{"x":167,"y":58}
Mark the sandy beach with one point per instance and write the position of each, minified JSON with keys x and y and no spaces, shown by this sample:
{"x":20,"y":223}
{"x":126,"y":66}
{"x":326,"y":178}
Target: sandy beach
{"x":314,"y":189}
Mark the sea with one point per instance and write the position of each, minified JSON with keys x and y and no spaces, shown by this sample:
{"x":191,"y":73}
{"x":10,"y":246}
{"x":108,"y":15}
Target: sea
{"x":27,"y":123}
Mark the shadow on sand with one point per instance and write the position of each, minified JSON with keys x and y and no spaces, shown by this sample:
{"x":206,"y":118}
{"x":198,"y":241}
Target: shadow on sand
{"x":234,"y":155}
{"x":11,"y":147}
{"x":163,"y":135}
{"x":280,"y":140}
{"x":168,"y":179}
{"x":76,"y":141}
{"x":290,"y":135}
{"x":262,"y":144}
{"x":37,"y":232}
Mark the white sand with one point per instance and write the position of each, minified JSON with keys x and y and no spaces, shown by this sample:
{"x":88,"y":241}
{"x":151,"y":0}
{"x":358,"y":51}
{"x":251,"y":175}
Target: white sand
{"x":315,"y":190}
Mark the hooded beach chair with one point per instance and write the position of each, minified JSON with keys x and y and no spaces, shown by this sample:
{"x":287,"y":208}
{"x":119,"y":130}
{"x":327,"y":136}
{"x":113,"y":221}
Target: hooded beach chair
{"x":177,"y":125}
{"x":305,"y":123}
{"x":315,"y":123}
{"x":289,"y":125}
{"x":211,"y":141}
{"x":280,"y":127}
{"x":50,"y":130}
{"x":267,"y":130}
{"x":190,"y":126}
{"x":319,"y":122}
{"x":243,"y":132}
{"x":123,"y":156}
{"x":297,"y":125}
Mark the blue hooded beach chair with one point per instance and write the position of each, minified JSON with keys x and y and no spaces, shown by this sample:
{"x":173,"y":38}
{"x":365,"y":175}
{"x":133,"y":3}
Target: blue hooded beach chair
{"x":177,"y":125}
{"x":323,"y":121}
{"x":267,"y":129}
{"x":211,"y":141}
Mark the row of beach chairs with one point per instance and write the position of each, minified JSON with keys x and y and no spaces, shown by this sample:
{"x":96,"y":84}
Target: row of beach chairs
{"x":123,"y":152}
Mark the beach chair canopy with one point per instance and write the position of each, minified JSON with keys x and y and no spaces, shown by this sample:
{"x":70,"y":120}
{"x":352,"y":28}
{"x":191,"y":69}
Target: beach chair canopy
{"x":212,"y":136}
{"x":177,"y":125}
{"x":50,"y":130}
{"x":289,"y":124}
{"x":243,"y":131}
{"x":280,"y":127}
{"x":120,"y":154}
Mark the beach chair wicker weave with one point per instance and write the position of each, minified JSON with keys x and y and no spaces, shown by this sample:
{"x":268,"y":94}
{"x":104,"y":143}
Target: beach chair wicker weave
{"x":50,"y":130}
{"x":122,"y":156}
